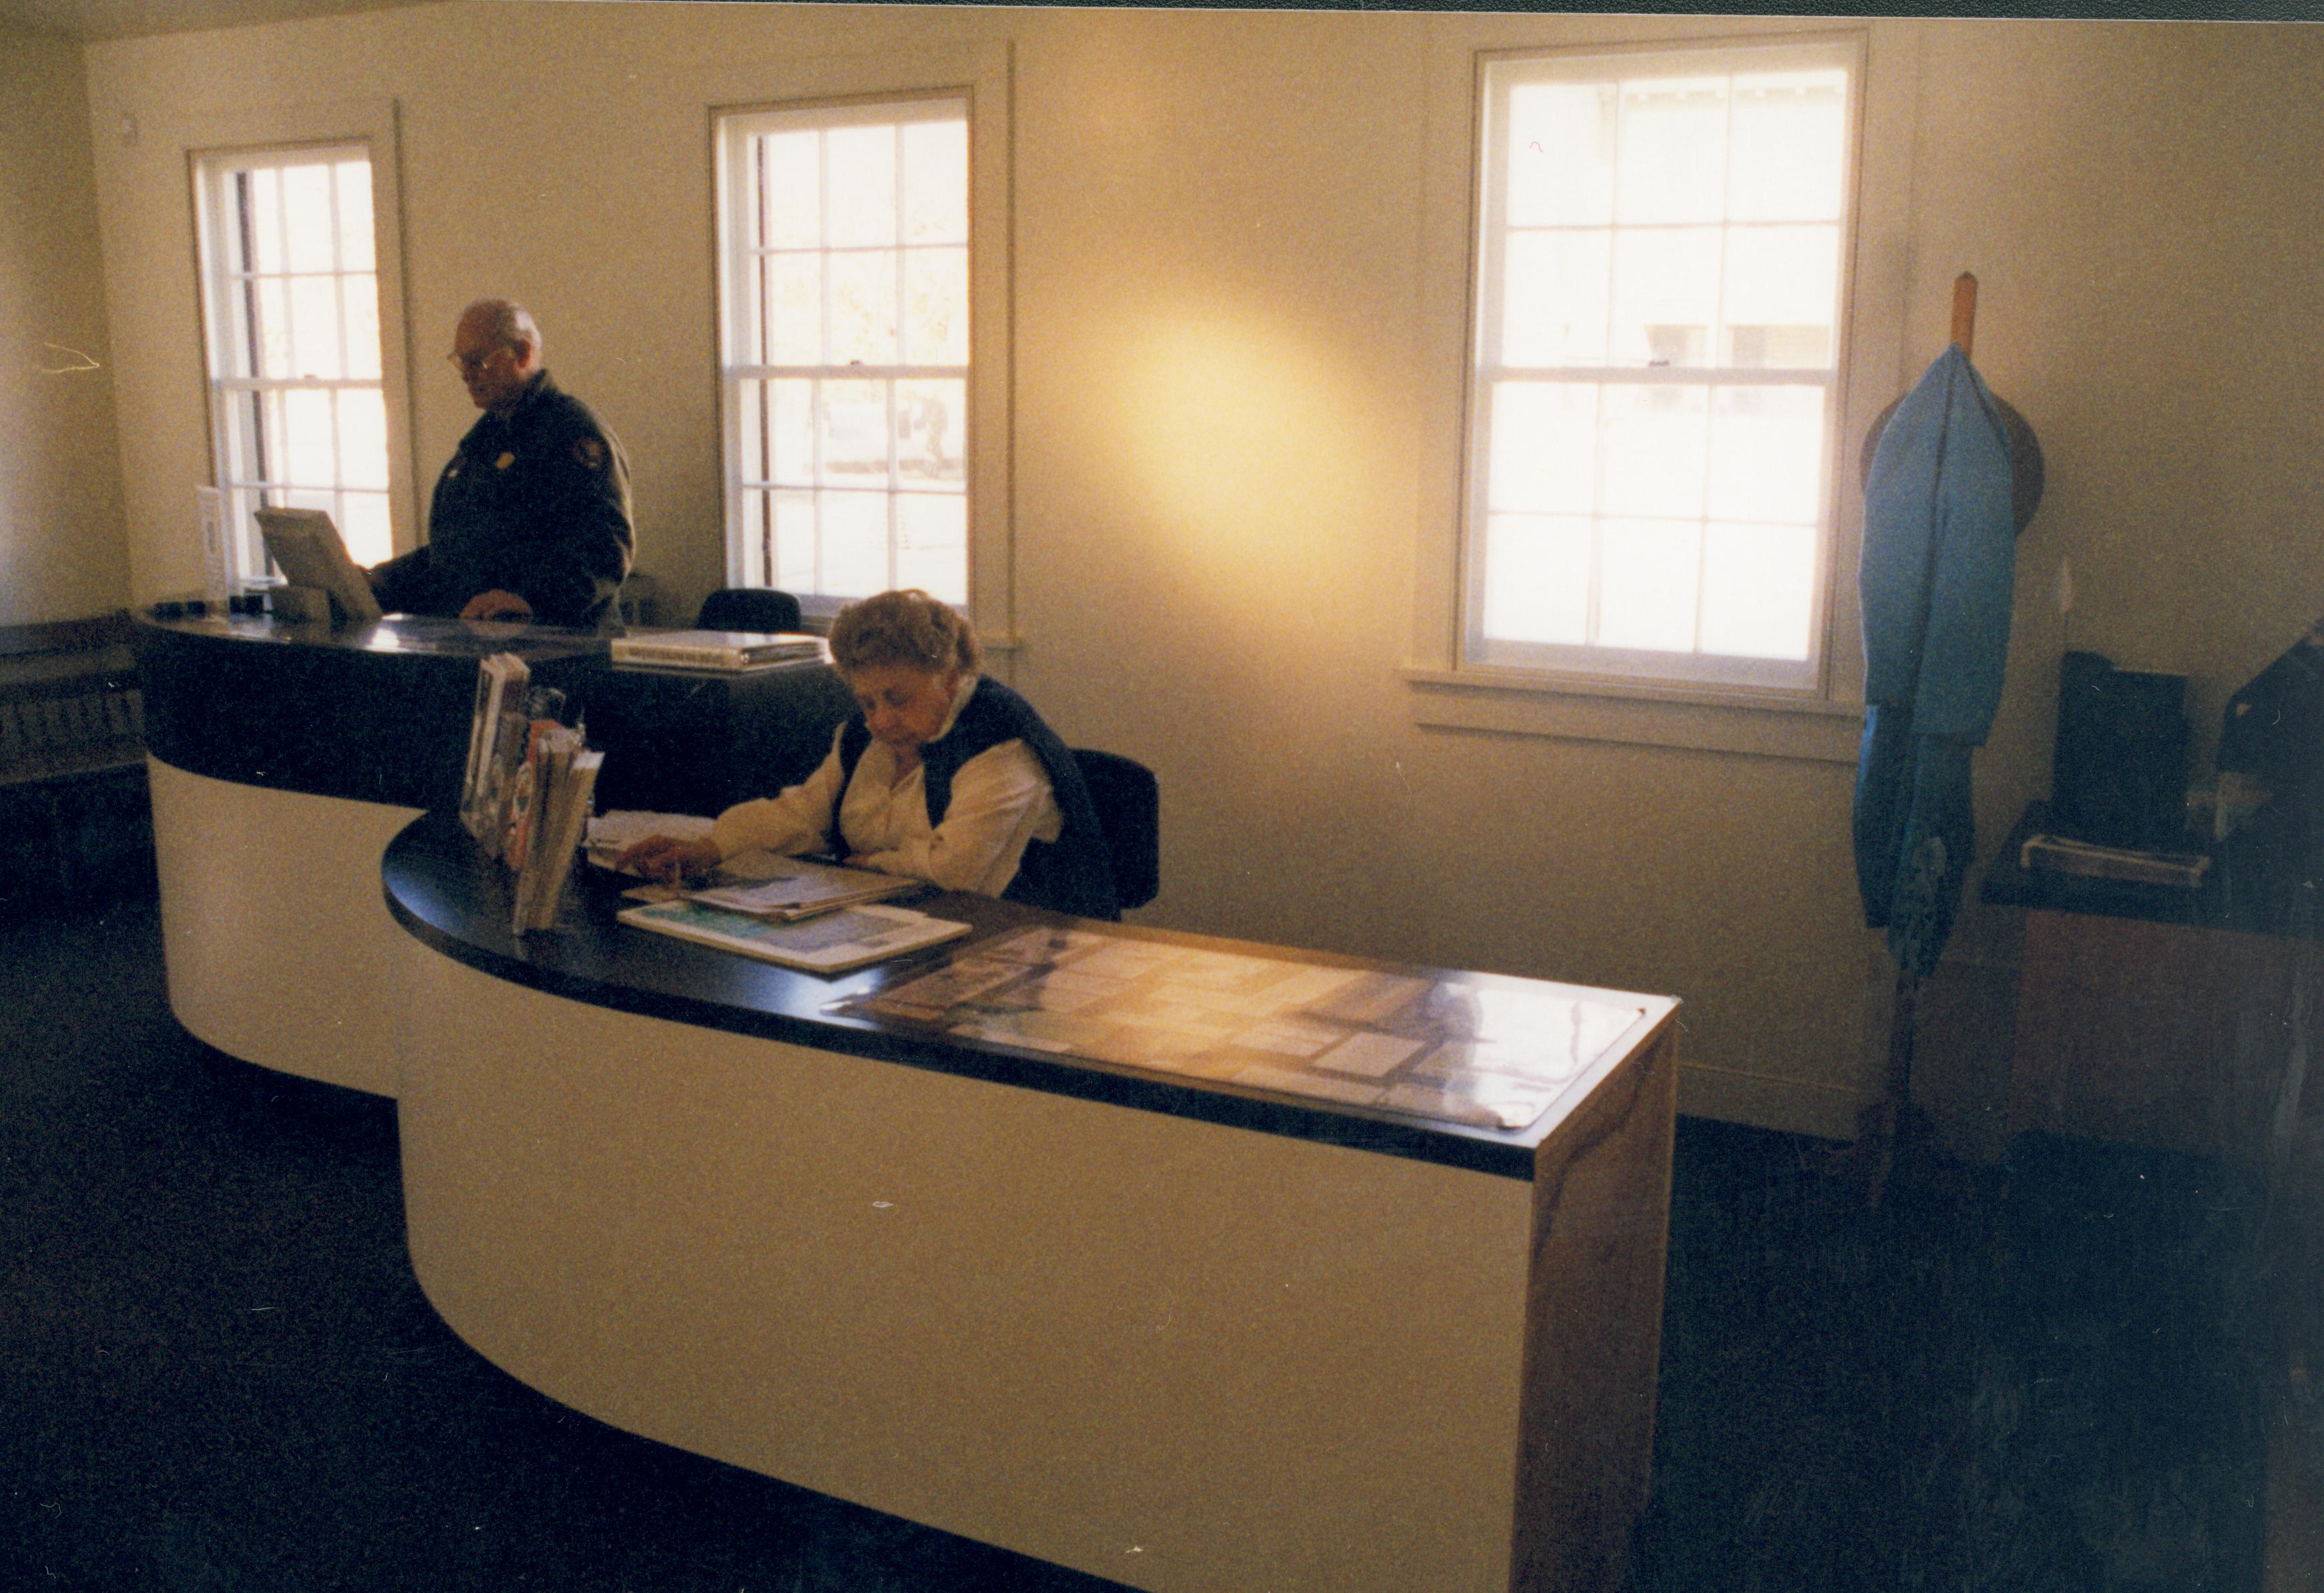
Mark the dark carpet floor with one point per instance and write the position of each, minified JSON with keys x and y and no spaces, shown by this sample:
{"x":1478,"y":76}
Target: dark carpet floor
{"x":218,"y":1375}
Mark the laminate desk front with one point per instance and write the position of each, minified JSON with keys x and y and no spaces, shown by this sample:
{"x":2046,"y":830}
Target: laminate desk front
{"x":283,"y":759}
{"x":1170,"y":1330}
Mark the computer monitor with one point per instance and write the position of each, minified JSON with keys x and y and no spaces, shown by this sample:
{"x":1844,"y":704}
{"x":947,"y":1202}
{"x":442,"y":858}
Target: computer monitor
{"x":305,"y":545}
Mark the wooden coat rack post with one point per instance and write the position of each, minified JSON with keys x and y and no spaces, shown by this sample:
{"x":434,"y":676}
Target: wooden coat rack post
{"x":1889,"y":1130}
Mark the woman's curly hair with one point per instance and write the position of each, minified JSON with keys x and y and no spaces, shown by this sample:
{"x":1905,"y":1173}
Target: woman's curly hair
{"x":906,"y":627}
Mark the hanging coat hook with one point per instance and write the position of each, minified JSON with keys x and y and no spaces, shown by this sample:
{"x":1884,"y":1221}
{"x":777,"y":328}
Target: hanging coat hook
{"x":2026,"y":451}
{"x":1965,"y":312}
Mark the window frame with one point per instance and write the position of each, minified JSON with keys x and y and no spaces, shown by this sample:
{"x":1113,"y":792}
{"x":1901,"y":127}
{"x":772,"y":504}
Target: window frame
{"x":214,"y":173}
{"x":741,"y":315}
{"x":372,"y":127}
{"x":979,"y":76}
{"x":1499,"y":72}
{"x":1819,"y":720}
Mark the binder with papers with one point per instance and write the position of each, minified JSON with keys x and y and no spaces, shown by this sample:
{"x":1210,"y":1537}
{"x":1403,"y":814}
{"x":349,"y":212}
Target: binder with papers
{"x":723,"y":650}
{"x":834,"y":942}
{"x":790,"y":887}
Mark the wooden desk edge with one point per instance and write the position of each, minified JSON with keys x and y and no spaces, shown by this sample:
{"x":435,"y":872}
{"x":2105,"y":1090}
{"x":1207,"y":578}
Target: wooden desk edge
{"x":1593,"y":1325}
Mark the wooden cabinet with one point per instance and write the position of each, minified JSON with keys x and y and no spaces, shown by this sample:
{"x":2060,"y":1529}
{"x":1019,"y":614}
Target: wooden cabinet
{"x":2185,"y":1037}
{"x":2169,"y":1035}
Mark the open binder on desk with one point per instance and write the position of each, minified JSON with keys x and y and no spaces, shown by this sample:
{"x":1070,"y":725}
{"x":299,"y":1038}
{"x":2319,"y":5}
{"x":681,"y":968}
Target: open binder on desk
{"x":853,"y":937}
{"x":2062,"y":854}
{"x":765,"y":886}
{"x":721,"y":651}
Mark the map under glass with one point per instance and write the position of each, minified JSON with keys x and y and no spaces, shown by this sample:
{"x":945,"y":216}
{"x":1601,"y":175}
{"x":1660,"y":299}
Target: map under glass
{"x":1475,"y":1049}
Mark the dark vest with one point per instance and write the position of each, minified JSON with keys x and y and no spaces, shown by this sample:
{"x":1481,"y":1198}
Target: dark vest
{"x":1071,"y":874}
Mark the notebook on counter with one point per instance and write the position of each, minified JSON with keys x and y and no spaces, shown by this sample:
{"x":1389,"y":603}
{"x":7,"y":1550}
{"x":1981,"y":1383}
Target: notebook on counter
{"x":723,"y":650}
{"x":831,"y":944}
{"x":768,"y":887}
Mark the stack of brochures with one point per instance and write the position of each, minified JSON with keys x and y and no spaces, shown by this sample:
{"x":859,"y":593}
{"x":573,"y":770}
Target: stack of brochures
{"x":497,"y":738}
{"x":2060,"y":854}
{"x":554,"y":790}
{"x":726,"y":651}
{"x":529,"y":786}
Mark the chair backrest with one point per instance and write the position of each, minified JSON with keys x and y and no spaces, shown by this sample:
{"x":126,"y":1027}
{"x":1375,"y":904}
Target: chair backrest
{"x":748,"y":607}
{"x":1128,"y":803}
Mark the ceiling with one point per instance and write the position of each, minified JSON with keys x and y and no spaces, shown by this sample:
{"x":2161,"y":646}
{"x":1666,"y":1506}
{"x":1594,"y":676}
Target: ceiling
{"x":127,"y":19}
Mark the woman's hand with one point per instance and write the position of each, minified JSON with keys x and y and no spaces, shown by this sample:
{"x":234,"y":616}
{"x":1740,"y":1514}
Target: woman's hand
{"x":669,"y":859}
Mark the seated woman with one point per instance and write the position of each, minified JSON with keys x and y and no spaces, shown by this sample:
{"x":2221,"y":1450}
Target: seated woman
{"x":942,"y":774}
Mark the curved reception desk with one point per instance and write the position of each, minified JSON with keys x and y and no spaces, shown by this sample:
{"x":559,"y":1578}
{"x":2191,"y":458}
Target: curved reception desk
{"x":283,"y":759}
{"x":1188,"y":1263}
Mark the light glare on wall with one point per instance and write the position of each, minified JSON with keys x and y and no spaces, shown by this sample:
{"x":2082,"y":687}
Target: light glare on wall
{"x":1238,"y":431}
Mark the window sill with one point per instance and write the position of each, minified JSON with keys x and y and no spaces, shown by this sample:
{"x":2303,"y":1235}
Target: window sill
{"x":1703,"y":720}
{"x":816,"y":613}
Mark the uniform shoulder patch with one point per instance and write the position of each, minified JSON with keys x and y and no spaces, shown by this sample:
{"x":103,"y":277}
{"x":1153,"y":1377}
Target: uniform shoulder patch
{"x":589,"y":452}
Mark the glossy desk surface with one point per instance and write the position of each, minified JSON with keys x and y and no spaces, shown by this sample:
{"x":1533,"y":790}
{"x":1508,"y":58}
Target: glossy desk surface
{"x":440,"y":891}
{"x":379,"y":713}
{"x":373,"y":712}
{"x":410,"y":635}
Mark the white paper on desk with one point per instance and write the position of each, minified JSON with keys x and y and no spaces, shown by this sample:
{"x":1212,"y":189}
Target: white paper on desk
{"x":218,"y":563}
{"x":610,"y":834}
{"x":761,"y":882}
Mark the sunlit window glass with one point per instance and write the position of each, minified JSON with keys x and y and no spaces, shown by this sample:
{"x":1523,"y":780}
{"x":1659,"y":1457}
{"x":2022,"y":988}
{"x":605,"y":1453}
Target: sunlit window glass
{"x":846,"y":324}
{"x":1661,"y":264}
{"x":291,"y":298}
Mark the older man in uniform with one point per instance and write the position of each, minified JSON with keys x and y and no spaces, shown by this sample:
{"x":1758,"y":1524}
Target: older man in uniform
{"x":532,"y":518}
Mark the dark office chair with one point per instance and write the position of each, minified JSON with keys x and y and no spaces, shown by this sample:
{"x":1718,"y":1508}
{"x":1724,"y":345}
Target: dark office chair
{"x":748,"y":607}
{"x":1128,"y":803}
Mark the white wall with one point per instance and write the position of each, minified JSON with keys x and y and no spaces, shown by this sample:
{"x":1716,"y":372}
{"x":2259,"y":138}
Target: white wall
{"x":1218,"y":221}
{"x":61,"y":550}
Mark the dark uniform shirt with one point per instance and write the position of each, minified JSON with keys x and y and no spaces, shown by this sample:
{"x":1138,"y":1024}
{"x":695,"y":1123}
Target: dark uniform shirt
{"x":535,"y":501}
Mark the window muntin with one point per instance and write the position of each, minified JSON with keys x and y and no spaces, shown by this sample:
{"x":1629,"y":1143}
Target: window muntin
{"x":1662,"y":243}
{"x":291,"y":311}
{"x":844,"y":307}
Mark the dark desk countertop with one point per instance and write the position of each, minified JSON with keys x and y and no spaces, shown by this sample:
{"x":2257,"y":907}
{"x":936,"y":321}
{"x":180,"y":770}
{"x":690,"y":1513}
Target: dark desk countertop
{"x":380,"y":712}
{"x":440,"y":890}
{"x":374,"y":712}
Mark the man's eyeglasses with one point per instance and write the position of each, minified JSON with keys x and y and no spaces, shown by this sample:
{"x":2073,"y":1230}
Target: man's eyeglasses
{"x":469,"y":364}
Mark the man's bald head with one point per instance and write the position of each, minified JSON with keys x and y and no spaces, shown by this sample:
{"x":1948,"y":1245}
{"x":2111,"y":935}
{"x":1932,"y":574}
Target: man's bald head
{"x":497,"y":347}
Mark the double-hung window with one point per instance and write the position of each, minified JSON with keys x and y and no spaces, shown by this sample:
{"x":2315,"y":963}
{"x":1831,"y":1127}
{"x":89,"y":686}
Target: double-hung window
{"x":290,"y":296}
{"x":846,"y":279}
{"x":1662,"y":252}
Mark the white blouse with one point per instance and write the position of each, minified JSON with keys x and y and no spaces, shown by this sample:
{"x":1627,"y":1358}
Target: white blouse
{"x":1001,"y":801}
